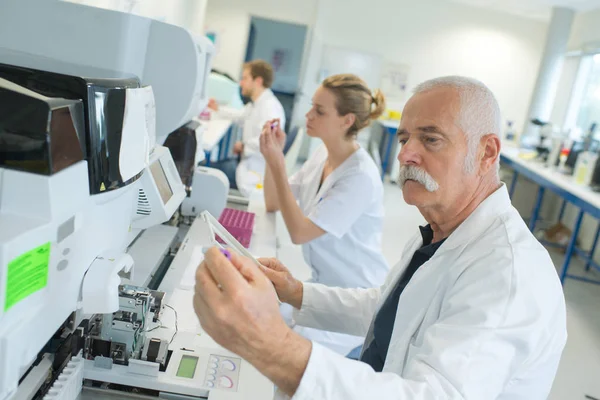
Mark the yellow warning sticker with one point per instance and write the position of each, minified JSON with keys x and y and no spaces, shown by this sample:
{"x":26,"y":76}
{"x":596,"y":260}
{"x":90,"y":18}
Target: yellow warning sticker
{"x":27,"y":274}
{"x":102,"y":187}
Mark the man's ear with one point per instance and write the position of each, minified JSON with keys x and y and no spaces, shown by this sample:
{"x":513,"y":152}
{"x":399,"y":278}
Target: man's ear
{"x":490,"y":146}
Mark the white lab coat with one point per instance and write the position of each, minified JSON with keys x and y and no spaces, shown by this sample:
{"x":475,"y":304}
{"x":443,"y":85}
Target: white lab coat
{"x":349,"y":207}
{"x":252,"y":117}
{"x":483,"y":319}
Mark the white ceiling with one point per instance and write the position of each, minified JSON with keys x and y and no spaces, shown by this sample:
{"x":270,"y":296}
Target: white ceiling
{"x":538,"y":9}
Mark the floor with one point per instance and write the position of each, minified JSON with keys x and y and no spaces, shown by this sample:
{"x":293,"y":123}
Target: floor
{"x":579,"y":371}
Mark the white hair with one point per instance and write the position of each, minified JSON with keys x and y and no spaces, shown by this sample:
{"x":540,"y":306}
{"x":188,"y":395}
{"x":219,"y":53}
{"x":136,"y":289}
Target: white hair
{"x":479,"y":111}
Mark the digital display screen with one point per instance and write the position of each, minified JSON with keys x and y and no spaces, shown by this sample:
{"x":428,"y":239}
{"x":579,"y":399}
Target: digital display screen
{"x":161,"y":181}
{"x":187,"y":367}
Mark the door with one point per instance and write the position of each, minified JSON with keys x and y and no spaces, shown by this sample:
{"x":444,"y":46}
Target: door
{"x":282,"y":45}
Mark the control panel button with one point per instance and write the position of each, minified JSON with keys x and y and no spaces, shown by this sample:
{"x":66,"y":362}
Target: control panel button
{"x":210,"y":384}
{"x":213,"y":365}
{"x":211,"y":378}
{"x":228,"y":365}
{"x":225,"y":382}
{"x":212,"y":371}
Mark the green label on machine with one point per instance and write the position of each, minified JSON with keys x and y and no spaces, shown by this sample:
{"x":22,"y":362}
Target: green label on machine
{"x":27,"y":274}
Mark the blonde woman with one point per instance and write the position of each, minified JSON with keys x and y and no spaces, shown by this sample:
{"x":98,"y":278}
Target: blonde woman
{"x":333,"y":206}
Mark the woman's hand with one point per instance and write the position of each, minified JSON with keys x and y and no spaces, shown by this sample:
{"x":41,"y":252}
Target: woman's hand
{"x":289,"y":289}
{"x":272,"y":141}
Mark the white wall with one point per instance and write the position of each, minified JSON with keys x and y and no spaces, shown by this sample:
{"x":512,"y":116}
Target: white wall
{"x":230,"y":19}
{"x":434,"y":38}
{"x":441,"y":38}
{"x":586,"y":30}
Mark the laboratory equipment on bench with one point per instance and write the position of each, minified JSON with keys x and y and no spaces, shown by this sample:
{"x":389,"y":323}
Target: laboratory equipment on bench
{"x":62,"y":238}
{"x":185,"y":145}
{"x":218,"y":231}
{"x":104,"y":111}
{"x":206,"y":180}
{"x":154,"y":342}
{"x":173,"y":61}
{"x":206,"y":188}
{"x":509,"y":133}
{"x":83,"y":179}
{"x":575,"y":149}
{"x":130,"y":347}
{"x":161,"y":191}
{"x":580,"y":145}
{"x":550,"y":141}
{"x":224,"y":90}
{"x":585,"y":167}
{"x":239,"y":224}
{"x":554,"y":156}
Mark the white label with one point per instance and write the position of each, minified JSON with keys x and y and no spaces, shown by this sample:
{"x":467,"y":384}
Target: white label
{"x":150,"y":116}
{"x":139,"y":131}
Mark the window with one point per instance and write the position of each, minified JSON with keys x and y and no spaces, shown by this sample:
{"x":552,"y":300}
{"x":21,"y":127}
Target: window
{"x":589,"y":108}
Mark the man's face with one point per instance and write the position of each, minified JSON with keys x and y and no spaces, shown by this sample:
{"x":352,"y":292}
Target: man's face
{"x":248,"y":84}
{"x":433,"y":151}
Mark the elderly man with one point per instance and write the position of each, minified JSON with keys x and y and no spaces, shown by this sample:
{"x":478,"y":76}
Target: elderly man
{"x":474,"y":310}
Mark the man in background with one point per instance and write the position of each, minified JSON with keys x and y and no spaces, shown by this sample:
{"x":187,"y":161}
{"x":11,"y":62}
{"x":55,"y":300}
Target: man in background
{"x":247,"y":168}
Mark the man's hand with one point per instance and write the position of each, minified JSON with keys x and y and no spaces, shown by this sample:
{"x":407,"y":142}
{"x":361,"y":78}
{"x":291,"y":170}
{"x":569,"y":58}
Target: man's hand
{"x":213,"y":105}
{"x":238,"y":147}
{"x":289,"y":289}
{"x":237,"y":306}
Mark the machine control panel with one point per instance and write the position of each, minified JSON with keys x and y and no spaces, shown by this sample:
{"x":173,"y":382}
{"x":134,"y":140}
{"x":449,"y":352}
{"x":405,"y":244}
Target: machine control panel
{"x":222,"y":372}
{"x":200,"y":367}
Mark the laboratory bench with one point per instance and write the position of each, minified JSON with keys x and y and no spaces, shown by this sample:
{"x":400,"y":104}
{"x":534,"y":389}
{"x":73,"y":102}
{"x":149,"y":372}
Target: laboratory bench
{"x":583,"y":198}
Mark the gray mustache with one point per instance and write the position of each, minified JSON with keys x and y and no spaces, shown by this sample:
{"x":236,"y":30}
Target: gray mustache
{"x":413,"y":173}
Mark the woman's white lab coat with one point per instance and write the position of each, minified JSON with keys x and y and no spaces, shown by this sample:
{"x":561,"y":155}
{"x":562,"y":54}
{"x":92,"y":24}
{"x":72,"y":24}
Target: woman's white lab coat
{"x":483,"y":319}
{"x":348,"y":206}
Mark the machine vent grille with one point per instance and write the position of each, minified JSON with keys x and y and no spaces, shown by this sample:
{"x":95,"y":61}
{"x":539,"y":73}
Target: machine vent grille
{"x":143,"y":207}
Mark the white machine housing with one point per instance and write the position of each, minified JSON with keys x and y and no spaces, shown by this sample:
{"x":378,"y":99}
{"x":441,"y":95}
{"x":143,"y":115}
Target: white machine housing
{"x":210,"y":188}
{"x":170,"y":59}
{"x":161,"y":190}
{"x":59,"y":241}
{"x":34,"y":211}
{"x":87,"y":234}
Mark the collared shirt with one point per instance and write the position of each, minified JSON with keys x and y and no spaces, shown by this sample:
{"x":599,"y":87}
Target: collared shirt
{"x":376,"y":353}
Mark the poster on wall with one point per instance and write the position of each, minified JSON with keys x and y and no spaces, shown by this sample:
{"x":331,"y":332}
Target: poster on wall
{"x":280,"y":59}
{"x":394,"y":80}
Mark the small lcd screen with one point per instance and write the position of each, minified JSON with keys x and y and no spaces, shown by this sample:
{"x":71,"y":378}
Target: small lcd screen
{"x":187,"y":367}
{"x":161,"y":181}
